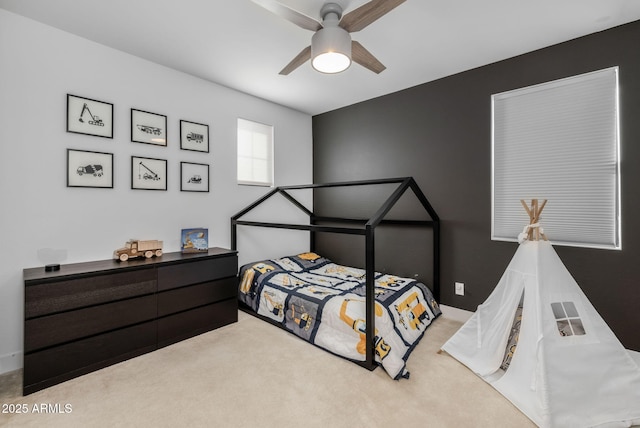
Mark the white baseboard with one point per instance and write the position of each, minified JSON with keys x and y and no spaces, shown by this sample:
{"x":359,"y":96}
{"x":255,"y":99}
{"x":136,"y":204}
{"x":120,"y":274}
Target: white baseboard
{"x":455,"y":313}
{"x":10,"y":362}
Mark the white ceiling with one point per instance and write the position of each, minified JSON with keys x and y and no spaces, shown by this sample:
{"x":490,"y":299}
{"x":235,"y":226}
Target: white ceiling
{"x":238,"y":44}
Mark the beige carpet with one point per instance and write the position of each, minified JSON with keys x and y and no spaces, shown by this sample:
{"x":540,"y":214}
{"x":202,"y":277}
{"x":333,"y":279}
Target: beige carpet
{"x":251,"y":374}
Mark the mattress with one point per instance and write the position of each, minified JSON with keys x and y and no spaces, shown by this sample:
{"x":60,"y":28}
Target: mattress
{"x":324,"y":303}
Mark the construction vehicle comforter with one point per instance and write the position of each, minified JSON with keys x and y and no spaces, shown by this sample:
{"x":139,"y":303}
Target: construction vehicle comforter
{"x":324,"y":303}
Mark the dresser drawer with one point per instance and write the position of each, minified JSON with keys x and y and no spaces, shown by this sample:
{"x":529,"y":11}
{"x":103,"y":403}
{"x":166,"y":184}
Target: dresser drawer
{"x":57,"y":364}
{"x":63,"y":327}
{"x":180,"y":299}
{"x":183,"y":274}
{"x":59,"y":296}
{"x":183,"y":325}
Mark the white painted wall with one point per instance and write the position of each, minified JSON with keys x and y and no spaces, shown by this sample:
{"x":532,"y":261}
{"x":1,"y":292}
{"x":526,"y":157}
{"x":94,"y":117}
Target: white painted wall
{"x":39,"y":65}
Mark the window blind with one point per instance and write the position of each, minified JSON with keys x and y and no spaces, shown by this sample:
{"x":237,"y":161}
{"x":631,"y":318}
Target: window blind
{"x":559,"y":141}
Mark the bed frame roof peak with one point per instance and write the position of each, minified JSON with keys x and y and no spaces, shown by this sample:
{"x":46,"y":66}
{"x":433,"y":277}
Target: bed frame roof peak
{"x":404,"y":184}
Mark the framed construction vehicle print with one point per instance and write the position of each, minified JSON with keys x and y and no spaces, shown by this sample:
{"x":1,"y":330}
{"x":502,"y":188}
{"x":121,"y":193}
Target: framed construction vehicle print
{"x":89,"y":169}
{"x":148,"y":128}
{"x":194,"y":136}
{"x":148,"y":173}
{"x":89,"y":117}
{"x":194,"y":177}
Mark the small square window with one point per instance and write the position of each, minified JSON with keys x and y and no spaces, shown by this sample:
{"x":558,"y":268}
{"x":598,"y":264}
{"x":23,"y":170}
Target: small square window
{"x":567,"y":319}
{"x":255,"y":153}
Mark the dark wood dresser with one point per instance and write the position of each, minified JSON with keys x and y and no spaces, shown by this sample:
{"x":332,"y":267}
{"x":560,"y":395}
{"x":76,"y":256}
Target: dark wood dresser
{"x":87,"y":316}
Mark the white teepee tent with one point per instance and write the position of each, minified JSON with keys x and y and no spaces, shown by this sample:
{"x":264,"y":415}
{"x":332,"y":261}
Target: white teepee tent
{"x":563,"y":367}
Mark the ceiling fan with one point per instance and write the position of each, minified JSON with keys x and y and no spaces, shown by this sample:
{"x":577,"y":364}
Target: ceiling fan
{"x":332,"y":49}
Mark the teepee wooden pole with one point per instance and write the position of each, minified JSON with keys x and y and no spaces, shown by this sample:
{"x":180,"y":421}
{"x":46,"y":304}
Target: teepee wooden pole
{"x":534,"y":212}
{"x":533,"y":232}
{"x":526,"y":207}
{"x":542,"y":207}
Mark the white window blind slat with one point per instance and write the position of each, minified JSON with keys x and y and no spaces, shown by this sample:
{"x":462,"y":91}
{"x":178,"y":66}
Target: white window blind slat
{"x":559,"y":141}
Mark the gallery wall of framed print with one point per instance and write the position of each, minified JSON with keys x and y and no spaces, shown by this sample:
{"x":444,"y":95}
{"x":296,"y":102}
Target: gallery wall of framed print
{"x":194,"y":177}
{"x":194,"y":136}
{"x":148,"y":128}
{"x":89,"y":169}
{"x":148,"y":173}
{"x":89,"y":117}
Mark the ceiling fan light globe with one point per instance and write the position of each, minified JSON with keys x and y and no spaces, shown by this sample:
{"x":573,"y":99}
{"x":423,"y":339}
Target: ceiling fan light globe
{"x":331,"y":62}
{"x":331,"y":50}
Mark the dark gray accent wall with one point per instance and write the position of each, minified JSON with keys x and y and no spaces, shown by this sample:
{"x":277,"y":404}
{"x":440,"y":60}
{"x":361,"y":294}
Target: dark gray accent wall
{"x":440,"y":133}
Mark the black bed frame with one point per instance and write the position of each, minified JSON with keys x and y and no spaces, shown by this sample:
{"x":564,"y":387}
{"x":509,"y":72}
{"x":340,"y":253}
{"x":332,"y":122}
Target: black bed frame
{"x":364,"y":227}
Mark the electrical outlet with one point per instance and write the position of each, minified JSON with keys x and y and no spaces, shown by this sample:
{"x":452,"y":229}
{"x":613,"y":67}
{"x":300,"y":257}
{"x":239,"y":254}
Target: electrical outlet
{"x":460,"y":288}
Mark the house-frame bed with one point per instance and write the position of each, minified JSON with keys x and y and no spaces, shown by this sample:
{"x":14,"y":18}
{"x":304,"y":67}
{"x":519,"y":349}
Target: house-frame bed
{"x":355,"y":226}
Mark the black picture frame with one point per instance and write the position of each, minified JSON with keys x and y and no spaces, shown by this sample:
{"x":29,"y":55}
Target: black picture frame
{"x":194,"y":136}
{"x":89,"y":169}
{"x":148,"y":128}
{"x":148,"y":173}
{"x":194,"y":177}
{"x":87,"y":116}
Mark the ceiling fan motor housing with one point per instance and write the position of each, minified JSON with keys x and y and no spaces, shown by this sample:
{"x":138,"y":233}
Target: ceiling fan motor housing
{"x":331,"y":45}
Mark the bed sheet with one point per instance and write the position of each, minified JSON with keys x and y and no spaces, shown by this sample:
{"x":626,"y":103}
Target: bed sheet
{"x":324,"y":303}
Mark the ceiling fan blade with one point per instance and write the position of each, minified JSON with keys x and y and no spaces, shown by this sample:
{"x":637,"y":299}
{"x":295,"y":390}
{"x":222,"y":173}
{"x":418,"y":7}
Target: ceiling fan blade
{"x":359,"y":18}
{"x":289,"y":14}
{"x":301,"y":58}
{"x":363,"y":57}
